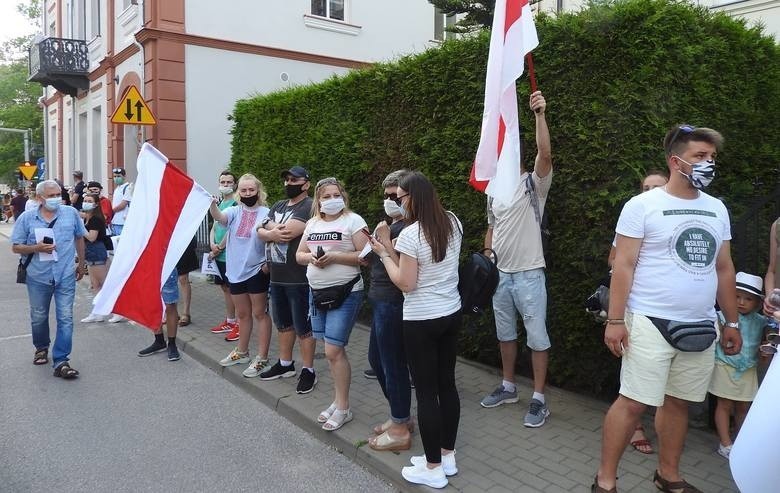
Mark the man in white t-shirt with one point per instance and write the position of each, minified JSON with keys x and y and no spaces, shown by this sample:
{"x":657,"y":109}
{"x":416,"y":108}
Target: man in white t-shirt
{"x":514,"y":232}
{"x":120,"y":201}
{"x":672,"y":262}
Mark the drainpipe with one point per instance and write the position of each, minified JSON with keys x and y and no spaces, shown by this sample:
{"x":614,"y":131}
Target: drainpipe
{"x":142,"y":63}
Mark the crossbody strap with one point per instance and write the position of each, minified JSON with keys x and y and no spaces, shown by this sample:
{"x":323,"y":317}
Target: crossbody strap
{"x":529,"y":180}
{"x":30,"y":256}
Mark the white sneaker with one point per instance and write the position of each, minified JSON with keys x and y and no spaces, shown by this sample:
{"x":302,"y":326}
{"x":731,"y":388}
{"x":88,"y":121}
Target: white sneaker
{"x":235,"y":358}
{"x":257,"y":366}
{"x":447,"y":463}
{"x":724,"y":450}
{"x":93,"y":318}
{"x":434,"y":478}
{"x":116,"y":318}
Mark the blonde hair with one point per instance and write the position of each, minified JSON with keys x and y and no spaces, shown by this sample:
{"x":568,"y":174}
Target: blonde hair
{"x":315,"y":208}
{"x":261,"y":193}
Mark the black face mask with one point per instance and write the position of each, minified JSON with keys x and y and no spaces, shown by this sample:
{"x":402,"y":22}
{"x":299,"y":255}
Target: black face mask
{"x":293,"y":191}
{"x":249,"y":201}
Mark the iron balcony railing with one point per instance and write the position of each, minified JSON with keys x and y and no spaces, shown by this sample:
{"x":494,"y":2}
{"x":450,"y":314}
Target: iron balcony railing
{"x":62,"y":63}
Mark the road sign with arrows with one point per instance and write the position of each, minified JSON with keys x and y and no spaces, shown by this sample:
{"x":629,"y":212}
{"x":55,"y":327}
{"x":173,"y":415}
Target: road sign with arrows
{"x":131,"y":109}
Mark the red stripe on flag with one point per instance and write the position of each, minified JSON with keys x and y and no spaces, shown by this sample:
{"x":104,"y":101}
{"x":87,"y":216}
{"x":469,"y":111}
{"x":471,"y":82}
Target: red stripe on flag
{"x":501,"y":134}
{"x":514,"y":9}
{"x":140,"y":296}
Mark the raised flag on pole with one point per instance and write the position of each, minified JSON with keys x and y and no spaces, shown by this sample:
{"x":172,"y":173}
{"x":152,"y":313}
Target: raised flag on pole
{"x":166,"y":210}
{"x":498,"y":155}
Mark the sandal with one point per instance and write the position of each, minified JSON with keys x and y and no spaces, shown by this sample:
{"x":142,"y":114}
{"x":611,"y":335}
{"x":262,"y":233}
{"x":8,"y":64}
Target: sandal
{"x":326,"y":414}
{"x":41,"y":356}
{"x":184,"y":320}
{"x":379,"y":429}
{"x":673,"y":487}
{"x":64,"y":371}
{"x":642,"y":445}
{"x":338,"y":419}
{"x":386,"y":442}
{"x":595,"y":488}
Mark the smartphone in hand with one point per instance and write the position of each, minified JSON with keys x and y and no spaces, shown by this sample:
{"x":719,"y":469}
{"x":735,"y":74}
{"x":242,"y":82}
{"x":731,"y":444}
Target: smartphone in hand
{"x":320,"y":252}
{"x":48,"y":240}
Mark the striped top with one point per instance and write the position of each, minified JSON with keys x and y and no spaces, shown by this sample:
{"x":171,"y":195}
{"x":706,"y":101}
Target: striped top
{"x":436,"y":294}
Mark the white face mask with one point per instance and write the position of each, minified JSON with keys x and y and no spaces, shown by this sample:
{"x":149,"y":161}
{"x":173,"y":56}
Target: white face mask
{"x":332,"y":206}
{"x":392,"y":209}
{"x":225,"y":190}
{"x":87,"y":206}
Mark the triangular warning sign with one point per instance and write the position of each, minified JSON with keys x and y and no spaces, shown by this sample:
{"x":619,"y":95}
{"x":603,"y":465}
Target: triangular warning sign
{"x":28,"y":171}
{"x":131,"y":109}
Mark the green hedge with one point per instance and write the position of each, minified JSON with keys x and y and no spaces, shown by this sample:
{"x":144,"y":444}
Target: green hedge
{"x":615,"y":77}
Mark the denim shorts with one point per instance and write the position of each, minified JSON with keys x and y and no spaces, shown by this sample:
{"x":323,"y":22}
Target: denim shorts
{"x":170,"y":290}
{"x":290,"y":308}
{"x":256,"y":284}
{"x":335,"y":326}
{"x":95,"y":253}
{"x":525,"y":293}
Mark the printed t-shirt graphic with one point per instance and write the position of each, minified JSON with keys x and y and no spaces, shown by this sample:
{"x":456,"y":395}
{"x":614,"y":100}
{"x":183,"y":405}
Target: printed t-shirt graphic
{"x":333,"y":236}
{"x":281,"y":256}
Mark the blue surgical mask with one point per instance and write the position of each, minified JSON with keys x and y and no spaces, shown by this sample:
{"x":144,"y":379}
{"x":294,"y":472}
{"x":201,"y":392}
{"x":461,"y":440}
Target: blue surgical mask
{"x":53,"y":204}
{"x":87,"y":206}
{"x":702,"y":173}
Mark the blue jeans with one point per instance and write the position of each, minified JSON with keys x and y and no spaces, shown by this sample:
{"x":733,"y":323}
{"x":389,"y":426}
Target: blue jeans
{"x":40,"y":295}
{"x":387,"y":357}
{"x":335,"y":326}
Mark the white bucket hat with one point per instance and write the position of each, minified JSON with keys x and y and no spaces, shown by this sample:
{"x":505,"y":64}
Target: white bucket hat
{"x":750,"y":284}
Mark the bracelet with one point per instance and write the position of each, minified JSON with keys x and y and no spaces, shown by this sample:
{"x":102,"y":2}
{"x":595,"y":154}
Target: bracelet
{"x":615,"y":321}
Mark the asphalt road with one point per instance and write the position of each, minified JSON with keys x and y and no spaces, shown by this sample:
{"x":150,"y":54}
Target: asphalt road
{"x":142,"y":424}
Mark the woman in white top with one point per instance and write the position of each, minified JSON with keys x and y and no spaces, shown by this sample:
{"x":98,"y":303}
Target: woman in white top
{"x":424,"y":265}
{"x":247,"y":272}
{"x":330,"y":245}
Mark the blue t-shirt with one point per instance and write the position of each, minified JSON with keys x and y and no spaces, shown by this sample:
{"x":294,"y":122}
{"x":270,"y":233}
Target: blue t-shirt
{"x":68,"y":227}
{"x":751,"y":327}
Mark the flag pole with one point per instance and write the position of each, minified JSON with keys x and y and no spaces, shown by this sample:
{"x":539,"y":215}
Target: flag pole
{"x":529,"y":59}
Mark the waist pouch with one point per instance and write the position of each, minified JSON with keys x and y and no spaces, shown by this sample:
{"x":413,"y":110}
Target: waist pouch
{"x":334,"y":296}
{"x":689,"y":337}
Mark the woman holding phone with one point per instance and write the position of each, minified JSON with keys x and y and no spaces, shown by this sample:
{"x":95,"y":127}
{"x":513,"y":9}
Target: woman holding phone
{"x":331,"y":243}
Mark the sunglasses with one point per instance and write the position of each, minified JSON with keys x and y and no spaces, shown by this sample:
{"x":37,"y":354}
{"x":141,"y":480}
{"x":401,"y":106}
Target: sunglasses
{"x":327,"y":181}
{"x":398,"y":198}
{"x":684,"y":129}
{"x":391,"y":196}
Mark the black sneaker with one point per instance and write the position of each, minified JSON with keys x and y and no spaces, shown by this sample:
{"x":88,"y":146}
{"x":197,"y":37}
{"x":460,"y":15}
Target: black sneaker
{"x":306,"y":381}
{"x":278,"y":371}
{"x":369,"y":374}
{"x":156,"y":347}
{"x":173,"y":353}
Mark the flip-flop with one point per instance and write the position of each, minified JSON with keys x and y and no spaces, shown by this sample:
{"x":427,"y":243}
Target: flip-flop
{"x":643,"y":443}
{"x":379,"y":429}
{"x":386,"y":442}
{"x":338,"y":419}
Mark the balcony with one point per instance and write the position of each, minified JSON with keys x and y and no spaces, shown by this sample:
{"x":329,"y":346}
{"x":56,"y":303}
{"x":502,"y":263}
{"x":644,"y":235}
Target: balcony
{"x":61,"y":63}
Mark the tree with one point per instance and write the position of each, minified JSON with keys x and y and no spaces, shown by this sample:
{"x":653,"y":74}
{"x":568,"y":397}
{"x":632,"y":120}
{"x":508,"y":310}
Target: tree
{"x":479,"y":15}
{"x":18,"y":98}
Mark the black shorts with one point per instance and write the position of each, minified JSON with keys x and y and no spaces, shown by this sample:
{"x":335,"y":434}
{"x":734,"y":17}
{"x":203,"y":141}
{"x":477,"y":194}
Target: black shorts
{"x":256,"y":284}
{"x":222,"y":268}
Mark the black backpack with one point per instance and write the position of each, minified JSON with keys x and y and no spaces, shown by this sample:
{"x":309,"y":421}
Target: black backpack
{"x":478,"y":280}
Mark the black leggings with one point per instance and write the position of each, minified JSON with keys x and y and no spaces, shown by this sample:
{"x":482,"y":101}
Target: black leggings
{"x":431,"y":347}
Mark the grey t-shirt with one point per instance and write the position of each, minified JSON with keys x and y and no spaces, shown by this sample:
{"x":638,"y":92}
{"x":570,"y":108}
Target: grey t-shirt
{"x":382,"y":288}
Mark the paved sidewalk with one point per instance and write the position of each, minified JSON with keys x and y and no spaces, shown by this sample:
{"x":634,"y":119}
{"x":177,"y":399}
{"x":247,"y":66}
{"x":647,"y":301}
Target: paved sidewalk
{"x":495,"y":453}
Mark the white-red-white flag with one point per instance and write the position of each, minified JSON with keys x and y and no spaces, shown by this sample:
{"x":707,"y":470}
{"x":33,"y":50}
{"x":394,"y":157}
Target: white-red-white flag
{"x":166,"y":210}
{"x":498,"y":155}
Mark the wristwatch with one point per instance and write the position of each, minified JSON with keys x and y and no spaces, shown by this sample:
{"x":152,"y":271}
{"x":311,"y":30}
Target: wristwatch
{"x":733,"y":325}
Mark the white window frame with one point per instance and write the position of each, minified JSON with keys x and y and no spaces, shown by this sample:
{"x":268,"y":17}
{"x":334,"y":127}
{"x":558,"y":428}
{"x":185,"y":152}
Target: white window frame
{"x":328,"y":13}
{"x":93,"y":23}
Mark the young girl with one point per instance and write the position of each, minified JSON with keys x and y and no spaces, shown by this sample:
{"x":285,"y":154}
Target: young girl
{"x":95,"y":253}
{"x":734,"y":379}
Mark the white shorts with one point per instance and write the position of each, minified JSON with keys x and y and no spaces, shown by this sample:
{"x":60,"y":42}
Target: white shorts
{"x":652,"y":368}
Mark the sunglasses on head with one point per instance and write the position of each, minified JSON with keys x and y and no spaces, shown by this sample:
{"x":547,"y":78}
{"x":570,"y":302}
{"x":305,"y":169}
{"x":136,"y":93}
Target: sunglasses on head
{"x":327,"y":181}
{"x":118,"y":171}
{"x":682,"y":129}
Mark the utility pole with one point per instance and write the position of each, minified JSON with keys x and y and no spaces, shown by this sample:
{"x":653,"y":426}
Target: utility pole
{"x":27,"y":135}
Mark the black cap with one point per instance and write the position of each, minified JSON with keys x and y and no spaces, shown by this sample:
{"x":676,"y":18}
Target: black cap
{"x":94,"y":184}
{"x":78,"y":174}
{"x":296,"y":171}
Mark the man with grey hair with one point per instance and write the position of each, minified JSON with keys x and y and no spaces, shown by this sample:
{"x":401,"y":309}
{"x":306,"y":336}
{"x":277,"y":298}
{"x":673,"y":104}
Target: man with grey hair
{"x":49,"y":238}
{"x":672,"y":261}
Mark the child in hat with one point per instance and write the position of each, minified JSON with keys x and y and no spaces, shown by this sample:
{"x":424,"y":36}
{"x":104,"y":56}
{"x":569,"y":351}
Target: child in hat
{"x":735,"y":379}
